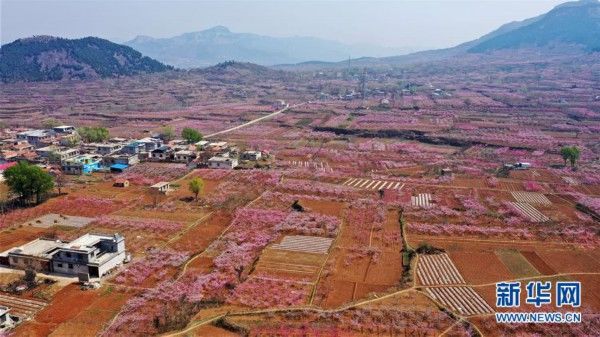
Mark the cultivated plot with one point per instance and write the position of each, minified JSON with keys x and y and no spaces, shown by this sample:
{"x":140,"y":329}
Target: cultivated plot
{"x":570,"y":180}
{"x":531,"y":198}
{"x":302,"y":243}
{"x":463,"y":300}
{"x":21,"y":307}
{"x":421,"y":200}
{"x":518,"y":265}
{"x":369,"y":184}
{"x":438,"y":270}
{"x":317,"y":165}
{"x":283,"y":263}
{"x":529,"y":211}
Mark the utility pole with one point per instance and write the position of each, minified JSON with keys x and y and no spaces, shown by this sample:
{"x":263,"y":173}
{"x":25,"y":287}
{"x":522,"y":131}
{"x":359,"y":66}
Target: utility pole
{"x":363,"y":83}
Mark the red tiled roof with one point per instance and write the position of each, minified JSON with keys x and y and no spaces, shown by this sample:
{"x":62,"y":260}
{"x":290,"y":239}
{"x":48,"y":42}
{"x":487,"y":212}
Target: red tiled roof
{"x":7,"y":165}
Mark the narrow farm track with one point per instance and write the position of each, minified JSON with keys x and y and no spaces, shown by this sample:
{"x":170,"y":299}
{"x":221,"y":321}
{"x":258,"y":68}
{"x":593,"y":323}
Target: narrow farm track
{"x":187,"y":229}
{"x":508,"y":242}
{"x":483,"y":189}
{"x":197,"y":324}
{"x":316,"y":283}
{"x":253,"y":121}
{"x":185,"y":266}
{"x":450,"y":327}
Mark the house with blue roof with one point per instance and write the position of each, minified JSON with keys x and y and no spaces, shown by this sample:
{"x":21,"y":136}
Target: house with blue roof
{"x":83,"y":164}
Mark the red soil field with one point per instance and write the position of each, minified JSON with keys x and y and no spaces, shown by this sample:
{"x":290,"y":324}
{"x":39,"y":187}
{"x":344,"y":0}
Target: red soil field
{"x":67,"y":304}
{"x":201,"y":235}
{"x":569,"y":261}
{"x":538,"y":262}
{"x":479,"y":267}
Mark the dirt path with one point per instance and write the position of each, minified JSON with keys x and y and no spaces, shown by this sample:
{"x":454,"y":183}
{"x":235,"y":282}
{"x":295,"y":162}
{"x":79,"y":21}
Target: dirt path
{"x":185,"y":266}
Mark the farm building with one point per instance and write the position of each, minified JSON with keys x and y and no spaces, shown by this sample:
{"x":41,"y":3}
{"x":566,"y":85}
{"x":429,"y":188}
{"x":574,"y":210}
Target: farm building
{"x":121,"y":183}
{"x":37,"y":138}
{"x":150,"y":143}
{"x":35,"y":255}
{"x":185,"y":156}
{"x":222,"y":162}
{"x":119,"y":168}
{"x":57,"y":153}
{"x":64,"y":129}
{"x":161,"y":153}
{"x":124,"y":159}
{"x":17,"y":145}
{"x":217,"y":146}
{"x":161,"y":187}
{"x":201,"y":145}
{"x":69,"y":139}
{"x":134,"y":148}
{"x":251,"y":155}
{"x":108,"y":148}
{"x":91,"y":254}
{"x":82,"y":164}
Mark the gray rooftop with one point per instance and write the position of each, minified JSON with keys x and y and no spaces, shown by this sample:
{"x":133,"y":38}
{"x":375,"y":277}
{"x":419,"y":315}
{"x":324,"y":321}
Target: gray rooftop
{"x":37,"y":247}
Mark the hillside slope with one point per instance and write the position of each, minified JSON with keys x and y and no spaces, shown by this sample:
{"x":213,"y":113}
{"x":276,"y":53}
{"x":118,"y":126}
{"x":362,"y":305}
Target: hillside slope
{"x":47,"y":58}
{"x":575,"y":23}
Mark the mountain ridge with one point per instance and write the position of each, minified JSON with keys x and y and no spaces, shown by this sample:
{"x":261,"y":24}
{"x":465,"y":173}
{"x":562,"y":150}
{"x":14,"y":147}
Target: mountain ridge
{"x":219,"y":44}
{"x":481,"y":45}
{"x":50,"y":58}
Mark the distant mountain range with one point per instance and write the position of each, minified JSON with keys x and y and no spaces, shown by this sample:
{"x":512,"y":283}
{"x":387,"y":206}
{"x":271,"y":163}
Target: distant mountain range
{"x":219,"y":44}
{"x":572,"y":26}
{"x":44,"y":58}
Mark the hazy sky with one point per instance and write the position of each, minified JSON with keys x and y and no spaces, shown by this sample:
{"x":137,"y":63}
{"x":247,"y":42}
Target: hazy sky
{"x":416,"y":23}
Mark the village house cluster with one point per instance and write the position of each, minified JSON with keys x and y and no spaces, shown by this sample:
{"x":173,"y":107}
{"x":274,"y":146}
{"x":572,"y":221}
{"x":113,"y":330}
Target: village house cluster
{"x":61,"y":147}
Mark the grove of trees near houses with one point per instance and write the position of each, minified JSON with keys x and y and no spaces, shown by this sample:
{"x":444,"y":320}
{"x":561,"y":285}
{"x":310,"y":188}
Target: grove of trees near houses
{"x":28,"y":182}
{"x":191,"y":135}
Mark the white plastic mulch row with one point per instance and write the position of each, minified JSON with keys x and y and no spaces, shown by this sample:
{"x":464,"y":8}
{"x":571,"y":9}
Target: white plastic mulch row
{"x":369,"y":184}
{"x":21,"y":306}
{"x":530,"y":211}
{"x":531,"y":198}
{"x":421,"y":200}
{"x":438,"y":269}
{"x":302,"y":243}
{"x":317,"y":165}
{"x":461,"y":299}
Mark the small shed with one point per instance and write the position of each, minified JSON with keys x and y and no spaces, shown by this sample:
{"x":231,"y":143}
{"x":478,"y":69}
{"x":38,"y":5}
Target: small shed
{"x":522,"y":166}
{"x":118,"y":167}
{"x":161,"y":187}
{"x":121,"y":183}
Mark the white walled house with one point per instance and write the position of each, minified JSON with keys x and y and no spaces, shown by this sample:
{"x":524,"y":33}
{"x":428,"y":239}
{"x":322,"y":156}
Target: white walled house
{"x":161,"y":187}
{"x":251,"y":155}
{"x":90,"y":254}
{"x":184,"y":156}
{"x":222,"y":162}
